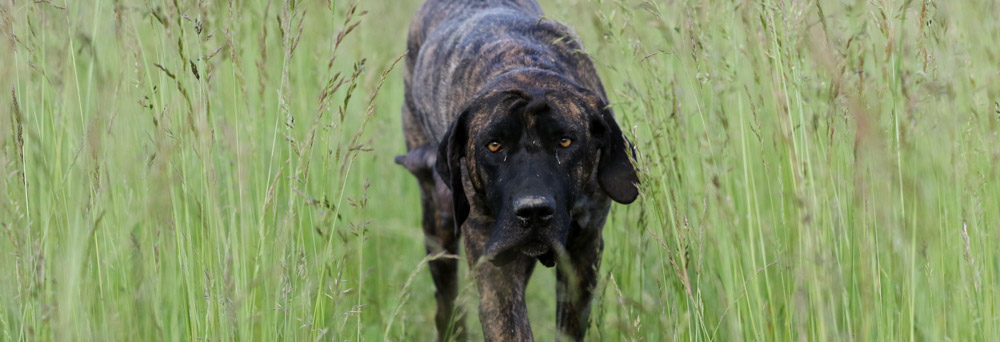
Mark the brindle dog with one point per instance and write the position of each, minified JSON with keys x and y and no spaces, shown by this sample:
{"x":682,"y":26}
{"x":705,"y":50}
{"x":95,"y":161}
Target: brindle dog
{"x":511,"y":139}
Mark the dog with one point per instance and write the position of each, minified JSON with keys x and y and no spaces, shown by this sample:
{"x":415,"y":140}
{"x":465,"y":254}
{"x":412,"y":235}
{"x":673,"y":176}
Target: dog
{"x":510,"y":136}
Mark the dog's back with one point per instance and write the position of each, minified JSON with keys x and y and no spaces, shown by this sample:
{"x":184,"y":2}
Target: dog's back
{"x":435,"y":12}
{"x":457,"y":46}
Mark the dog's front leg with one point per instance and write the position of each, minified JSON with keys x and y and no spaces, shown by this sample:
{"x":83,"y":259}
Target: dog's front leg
{"x":502,"y":311}
{"x":576,"y":278}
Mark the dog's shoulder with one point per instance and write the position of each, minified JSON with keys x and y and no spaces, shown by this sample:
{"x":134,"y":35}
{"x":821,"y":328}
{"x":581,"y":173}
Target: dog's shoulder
{"x":435,"y":13}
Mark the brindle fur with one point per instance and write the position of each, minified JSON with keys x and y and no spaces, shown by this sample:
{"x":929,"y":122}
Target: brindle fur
{"x":464,"y":56}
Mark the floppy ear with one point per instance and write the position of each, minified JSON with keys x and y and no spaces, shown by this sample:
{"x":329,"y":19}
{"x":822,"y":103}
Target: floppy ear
{"x":449,"y":166}
{"x":615,"y":172}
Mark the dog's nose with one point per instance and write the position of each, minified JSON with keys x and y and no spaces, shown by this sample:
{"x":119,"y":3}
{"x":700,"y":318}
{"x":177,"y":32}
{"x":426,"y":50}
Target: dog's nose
{"x":535,"y":209}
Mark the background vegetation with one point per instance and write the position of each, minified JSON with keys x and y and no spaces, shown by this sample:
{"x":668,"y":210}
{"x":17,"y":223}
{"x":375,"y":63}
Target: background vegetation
{"x":222,"y":170}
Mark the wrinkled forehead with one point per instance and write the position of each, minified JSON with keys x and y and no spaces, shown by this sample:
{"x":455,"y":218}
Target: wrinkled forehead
{"x":538,"y":108}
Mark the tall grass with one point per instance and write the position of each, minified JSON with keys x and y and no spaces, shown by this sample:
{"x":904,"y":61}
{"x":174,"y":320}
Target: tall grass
{"x":187,"y":170}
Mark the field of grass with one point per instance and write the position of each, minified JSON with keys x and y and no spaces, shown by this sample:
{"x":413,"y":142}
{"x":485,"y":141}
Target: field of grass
{"x":222,"y":170}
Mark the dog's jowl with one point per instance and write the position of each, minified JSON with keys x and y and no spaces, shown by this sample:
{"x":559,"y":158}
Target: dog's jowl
{"x":511,"y":139}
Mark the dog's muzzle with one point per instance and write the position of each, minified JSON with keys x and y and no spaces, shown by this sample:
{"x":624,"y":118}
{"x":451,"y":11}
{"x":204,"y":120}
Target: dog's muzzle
{"x":532,"y":233}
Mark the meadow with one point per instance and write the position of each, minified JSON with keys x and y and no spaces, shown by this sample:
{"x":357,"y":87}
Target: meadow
{"x":182,"y":170}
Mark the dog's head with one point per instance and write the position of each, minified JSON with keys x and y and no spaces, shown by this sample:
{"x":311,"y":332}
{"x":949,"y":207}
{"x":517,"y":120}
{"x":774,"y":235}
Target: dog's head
{"x":528,"y":156}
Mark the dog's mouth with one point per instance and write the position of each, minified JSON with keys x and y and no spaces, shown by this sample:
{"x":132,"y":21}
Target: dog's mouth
{"x":512,"y":240}
{"x":546,"y":252}
{"x":534,"y":249}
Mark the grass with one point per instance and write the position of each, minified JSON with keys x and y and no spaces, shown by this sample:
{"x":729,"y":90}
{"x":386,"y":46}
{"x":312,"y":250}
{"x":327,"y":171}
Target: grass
{"x":222,"y":170}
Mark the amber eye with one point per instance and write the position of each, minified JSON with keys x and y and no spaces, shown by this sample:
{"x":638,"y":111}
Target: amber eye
{"x":565,"y":142}
{"x":494,"y":146}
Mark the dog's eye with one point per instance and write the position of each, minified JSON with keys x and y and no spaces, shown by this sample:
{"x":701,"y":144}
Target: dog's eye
{"x":494,"y":146}
{"x":565,"y":142}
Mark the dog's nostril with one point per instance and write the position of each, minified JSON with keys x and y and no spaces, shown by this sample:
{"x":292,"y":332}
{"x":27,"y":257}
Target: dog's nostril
{"x":535,"y":208}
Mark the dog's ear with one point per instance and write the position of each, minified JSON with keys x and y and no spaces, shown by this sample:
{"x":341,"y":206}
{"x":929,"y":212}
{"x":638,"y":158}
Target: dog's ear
{"x":615,"y":172}
{"x":450,"y":152}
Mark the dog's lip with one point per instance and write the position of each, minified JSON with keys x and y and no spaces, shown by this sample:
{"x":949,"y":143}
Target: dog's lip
{"x":509,"y":241}
{"x":534,"y":248}
{"x":549,"y":258}
{"x":546,"y":251}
